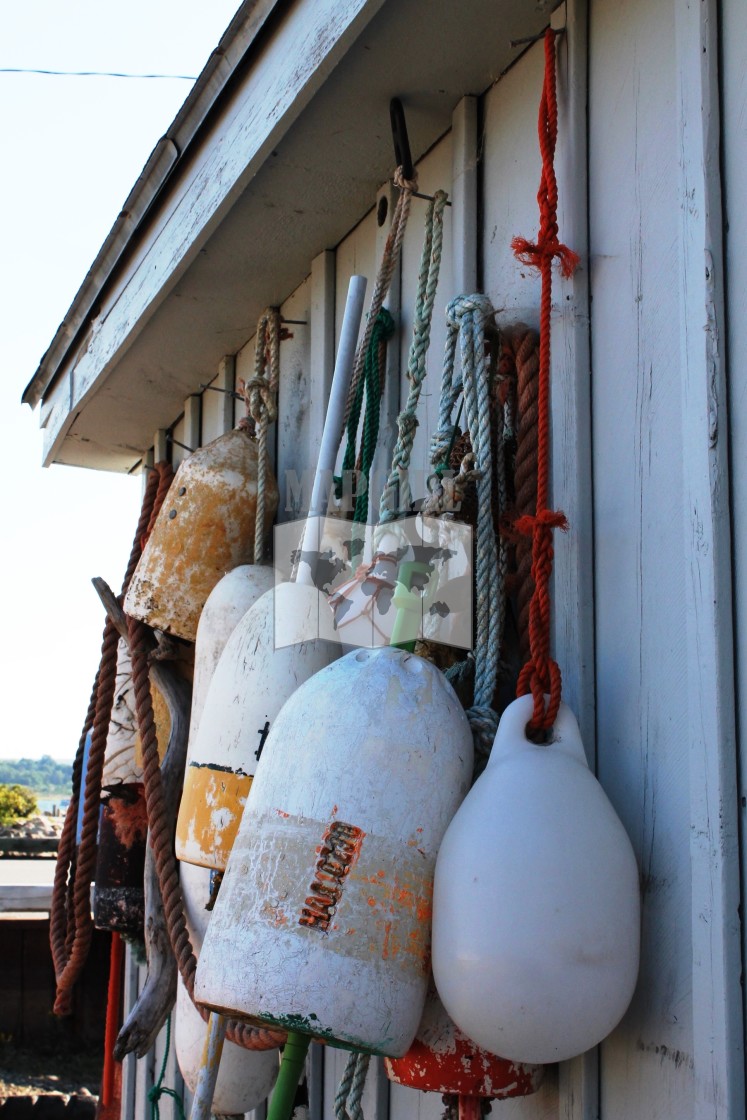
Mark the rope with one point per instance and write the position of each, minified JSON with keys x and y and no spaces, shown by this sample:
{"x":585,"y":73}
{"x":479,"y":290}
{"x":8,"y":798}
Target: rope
{"x":260,"y":395}
{"x":158,"y":1091}
{"x":430,"y":265}
{"x":162,"y":841}
{"x":389,"y":259}
{"x":541,"y":674}
{"x":521,"y":348}
{"x":349,"y":1093}
{"x":71,"y":927}
{"x":372,"y":381}
{"x":467,"y":318}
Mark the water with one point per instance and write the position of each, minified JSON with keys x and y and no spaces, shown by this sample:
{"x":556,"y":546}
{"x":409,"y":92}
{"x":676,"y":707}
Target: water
{"x":48,"y":804}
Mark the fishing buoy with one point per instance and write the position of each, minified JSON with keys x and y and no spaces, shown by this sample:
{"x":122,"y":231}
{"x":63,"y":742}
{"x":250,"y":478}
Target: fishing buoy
{"x":245,"y":1077}
{"x":322,"y":924}
{"x":443,"y":1060}
{"x":215,"y":783}
{"x":536,"y":901}
{"x":254,"y":677}
{"x":204,"y":529}
{"x":118,"y":893}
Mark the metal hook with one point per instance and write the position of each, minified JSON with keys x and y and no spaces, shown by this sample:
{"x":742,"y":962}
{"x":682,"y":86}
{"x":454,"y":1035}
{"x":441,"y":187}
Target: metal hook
{"x":228,"y":392}
{"x":179,"y":443}
{"x":402,"y":155}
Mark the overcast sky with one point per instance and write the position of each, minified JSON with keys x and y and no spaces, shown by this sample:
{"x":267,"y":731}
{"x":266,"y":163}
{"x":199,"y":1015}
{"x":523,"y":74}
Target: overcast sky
{"x":72,"y":148}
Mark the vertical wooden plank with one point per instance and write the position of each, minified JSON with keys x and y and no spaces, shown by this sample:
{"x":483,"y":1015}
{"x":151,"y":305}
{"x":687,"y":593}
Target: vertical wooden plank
{"x":642,"y":637}
{"x":315,"y":1075}
{"x":734,"y":134}
{"x":714,"y":852}
{"x":146,"y":1067}
{"x":294,"y":396}
{"x":217,"y":402}
{"x":464,"y":195}
{"x":193,"y":421}
{"x":161,"y":447}
{"x":573,"y":574}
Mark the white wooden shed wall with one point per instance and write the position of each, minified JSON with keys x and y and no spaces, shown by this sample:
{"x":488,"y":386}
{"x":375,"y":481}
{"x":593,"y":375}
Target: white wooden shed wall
{"x":650,"y":441}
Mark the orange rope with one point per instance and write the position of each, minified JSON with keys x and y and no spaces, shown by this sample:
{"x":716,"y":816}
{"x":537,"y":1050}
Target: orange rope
{"x":541,"y":674}
{"x":112,"y":1019}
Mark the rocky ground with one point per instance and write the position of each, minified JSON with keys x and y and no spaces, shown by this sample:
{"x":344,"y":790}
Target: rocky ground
{"x":24,"y":1073}
{"x":39,"y":826}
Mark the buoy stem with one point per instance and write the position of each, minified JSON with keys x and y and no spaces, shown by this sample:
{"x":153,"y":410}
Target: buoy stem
{"x":291,"y":1067}
{"x":206,"y":1079}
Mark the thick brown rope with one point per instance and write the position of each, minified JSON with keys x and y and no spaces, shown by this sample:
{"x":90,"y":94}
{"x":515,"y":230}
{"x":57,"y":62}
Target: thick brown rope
{"x":71,"y":926}
{"x":522,"y":347}
{"x":161,"y":839}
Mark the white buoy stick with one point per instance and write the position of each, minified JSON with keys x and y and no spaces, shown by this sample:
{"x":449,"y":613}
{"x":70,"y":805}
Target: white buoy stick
{"x":333,"y":421}
{"x":202,"y":1101}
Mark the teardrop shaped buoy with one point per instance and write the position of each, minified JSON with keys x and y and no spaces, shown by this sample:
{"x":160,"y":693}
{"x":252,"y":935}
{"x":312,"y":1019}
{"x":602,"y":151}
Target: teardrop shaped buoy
{"x":443,"y":1060}
{"x":215,"y":782}
{"x":258,"y":670}
{"x":245,"y":1077}
{"x":536,"y":900}
{"x":322,"y":924}
{"x":205,"y":528}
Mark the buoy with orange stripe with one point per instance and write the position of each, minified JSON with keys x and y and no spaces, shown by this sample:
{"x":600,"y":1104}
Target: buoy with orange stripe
{"x":204,"y":529}
{"x":216,"y":781}
{"x":322,"y":924}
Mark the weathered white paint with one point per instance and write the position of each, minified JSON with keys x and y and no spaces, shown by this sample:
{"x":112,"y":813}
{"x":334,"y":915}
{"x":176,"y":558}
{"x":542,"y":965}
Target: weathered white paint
{"x":733,"y":42}
{"x":386,"y":759}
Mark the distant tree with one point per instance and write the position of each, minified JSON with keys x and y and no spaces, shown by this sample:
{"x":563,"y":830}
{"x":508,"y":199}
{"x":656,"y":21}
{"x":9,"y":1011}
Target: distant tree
{"x":16,"y":803}
{"x":43,"y":775}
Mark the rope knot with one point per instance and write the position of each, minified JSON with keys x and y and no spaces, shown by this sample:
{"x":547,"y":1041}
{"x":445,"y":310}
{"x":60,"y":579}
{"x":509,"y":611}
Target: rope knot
{"x":260,"y":400}
{"x":545,"y":519}
{"x":405,"y":184}
{"x":461,"y":306}
{"x":533,"y":253}
{"x":407,"y":423}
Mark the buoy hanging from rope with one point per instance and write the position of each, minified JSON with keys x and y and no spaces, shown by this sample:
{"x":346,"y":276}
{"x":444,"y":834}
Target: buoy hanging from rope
{"x":118,"y":895}
{"x":245,"y":1077}
{"x":206,"y":528}
{"x":322,"y":924}
{"x":536,"y":897}
{"x":442,"y":1059}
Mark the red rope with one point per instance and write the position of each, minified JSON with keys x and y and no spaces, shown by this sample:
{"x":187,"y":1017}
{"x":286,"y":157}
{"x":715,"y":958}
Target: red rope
{"x":541,"y":674}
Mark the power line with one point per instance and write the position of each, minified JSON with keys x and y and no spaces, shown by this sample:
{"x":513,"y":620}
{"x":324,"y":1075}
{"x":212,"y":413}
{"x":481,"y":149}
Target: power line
{"x":94,"y":74}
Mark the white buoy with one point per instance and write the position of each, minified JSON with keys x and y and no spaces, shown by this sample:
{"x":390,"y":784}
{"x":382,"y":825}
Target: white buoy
{"x":322,"y":924}
{"x":217,"y":777}
{"x":536,"y":902}
{"x":245,"y":1077}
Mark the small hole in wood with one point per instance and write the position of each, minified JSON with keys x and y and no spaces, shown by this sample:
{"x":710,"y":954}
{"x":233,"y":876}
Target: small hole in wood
{"x":382,"y":210}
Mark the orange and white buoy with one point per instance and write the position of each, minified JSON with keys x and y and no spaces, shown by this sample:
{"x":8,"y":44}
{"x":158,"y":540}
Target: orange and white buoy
{"x":322,"y":924}
{"x":204,"y":529}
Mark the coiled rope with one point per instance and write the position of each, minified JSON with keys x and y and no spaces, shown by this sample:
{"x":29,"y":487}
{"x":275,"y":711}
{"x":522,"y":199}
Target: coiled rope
{"x":541,"y":674}
{"x":71,"y":927}
{"x":260,"y":395}
{"x":467,"y":319}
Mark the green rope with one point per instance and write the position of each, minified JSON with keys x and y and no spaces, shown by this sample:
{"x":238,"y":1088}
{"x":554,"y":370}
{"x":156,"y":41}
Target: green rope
{"x":398,"y":484}
{"x":158,"y":1091}
{"x":371,"y":381}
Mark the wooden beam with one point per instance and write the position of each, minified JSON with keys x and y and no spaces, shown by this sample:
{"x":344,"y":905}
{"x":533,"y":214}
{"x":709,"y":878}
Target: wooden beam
{"x":25,"y":899}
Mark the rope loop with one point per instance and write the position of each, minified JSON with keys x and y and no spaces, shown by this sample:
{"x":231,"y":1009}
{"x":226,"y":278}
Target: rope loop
{"x":349,"y":1093}
{"x":155,"y":1094}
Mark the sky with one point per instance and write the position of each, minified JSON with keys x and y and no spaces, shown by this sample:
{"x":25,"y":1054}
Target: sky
{"x":72,"y":147}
